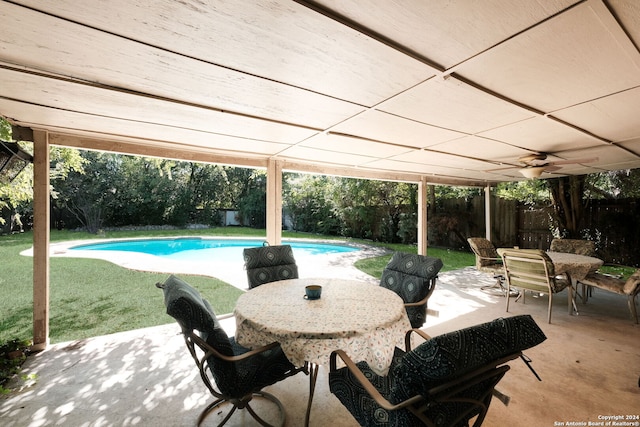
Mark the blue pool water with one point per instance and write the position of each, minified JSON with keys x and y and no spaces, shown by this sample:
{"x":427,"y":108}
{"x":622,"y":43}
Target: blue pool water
{"x":202,"y":250}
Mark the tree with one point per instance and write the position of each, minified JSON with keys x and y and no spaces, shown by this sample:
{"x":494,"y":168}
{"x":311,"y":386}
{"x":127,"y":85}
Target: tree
{"x":16,"y":197}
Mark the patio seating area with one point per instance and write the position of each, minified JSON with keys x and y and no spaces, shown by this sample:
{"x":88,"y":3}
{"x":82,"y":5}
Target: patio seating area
{"x":589,"y":367}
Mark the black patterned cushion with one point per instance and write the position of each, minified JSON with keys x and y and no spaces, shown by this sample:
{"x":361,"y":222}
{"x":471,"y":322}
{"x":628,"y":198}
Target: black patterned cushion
{"x":269,"y":264}
{"x":574,"y":246}
{"x":234,"y":379}
{"x":436,"y":361}
{"x":453,"y":354}
{"x":411,"y":276}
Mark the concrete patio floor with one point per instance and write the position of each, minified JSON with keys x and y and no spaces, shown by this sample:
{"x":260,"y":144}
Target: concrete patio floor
{"x":589,"y":365}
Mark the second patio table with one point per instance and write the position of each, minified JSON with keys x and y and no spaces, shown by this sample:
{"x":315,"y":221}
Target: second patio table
{"x":365,"y":320}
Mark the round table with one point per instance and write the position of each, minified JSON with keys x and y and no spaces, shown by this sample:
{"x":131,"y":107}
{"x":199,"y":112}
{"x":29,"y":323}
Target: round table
{"x":365,"y":320}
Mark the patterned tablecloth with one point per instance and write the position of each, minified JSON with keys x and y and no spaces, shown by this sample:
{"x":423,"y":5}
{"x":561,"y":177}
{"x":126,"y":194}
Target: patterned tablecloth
{"x":577,"y":266}
{"x":365,"y":320}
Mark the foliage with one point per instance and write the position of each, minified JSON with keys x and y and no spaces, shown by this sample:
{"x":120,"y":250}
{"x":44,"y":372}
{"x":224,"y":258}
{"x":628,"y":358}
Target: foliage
{"x":13,"y":353}
{"x":373,"y":209}
{"x":16,"y":197}
{"x":530,"y":192}
{"x":251,"y":197}
{"x":308,"y":201}
{"x":115,"y":190}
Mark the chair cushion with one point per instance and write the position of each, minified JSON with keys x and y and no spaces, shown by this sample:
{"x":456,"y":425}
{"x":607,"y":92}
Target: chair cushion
{"x":448,"y":356}
{"x":574,"y":246}
{"x":260,"y":276}
{"x":488,"y":255}
{"x":344,"y":385}
{"x":613,"y":284}
{"x":267,"y":264}
{"x":268,"y":256}
{"x":436,"y":361}
{"x":191,"y":311}
{"x":412,"y":277}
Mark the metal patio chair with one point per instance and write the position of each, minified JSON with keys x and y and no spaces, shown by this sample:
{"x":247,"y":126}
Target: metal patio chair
{"x":266,"y":264}
{"x":413,"y":277}
{"x":448,"y":380}
{"x":533,"y":270}
{"x":234,"y":375}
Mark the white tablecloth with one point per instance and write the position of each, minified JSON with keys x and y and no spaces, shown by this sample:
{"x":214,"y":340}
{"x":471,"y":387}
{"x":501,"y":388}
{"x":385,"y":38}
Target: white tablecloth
{"x":365,"y":320}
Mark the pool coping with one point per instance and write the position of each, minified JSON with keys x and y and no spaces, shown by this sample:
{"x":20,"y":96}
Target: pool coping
{"x":337,"y":264}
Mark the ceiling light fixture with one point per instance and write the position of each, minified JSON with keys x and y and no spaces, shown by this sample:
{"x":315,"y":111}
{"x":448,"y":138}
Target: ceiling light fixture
{"x":532,"y":172}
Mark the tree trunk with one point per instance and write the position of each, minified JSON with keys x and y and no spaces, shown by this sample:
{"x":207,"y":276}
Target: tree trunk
{"x":568,"y":204}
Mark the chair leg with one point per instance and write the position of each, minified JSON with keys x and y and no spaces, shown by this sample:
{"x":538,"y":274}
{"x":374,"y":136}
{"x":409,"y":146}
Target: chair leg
{"x":551,"y":306}
{"x":244,"y":404}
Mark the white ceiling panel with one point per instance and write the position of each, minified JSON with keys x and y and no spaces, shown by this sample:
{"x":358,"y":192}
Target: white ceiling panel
{"x":574,"y":57}
{"x":450,"y":104}
{"x":377,"y":125}
{"x":40,"y":117}
{"x":122,"y":64}
{"x":613,"y":117}
{"x":436,"y":158}
{"x":100,"y":102}
{"x":327,"y":156}
{"x":447,"y":32}
{"x":352,"y":145}
{"x":400,"y":89}
{"x":480,"y":148}
{"x":541,"y":134}
{"x":280,"y":41}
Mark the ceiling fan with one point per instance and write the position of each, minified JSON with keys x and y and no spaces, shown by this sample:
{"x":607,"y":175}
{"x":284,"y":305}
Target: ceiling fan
{"x":534,"y":164}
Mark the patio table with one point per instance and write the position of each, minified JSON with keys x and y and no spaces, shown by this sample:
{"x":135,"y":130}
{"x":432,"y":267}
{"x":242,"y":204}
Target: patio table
{"x":575,"y":266}
{"x":365,"y":320}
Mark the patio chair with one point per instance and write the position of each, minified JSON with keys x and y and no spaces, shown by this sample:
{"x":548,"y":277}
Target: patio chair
{"x":269,"y":264}
{"x":448,"y":380}
{"x":630,"y":287}
{"x":413,"y":277}
{"x":488,"y":261}
{"x":574,"y":246}
{"x":233,"y":374}
{"x":533,"y":270}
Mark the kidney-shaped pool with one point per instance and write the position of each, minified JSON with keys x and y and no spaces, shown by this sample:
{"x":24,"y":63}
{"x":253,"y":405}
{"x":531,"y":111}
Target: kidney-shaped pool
{"x":204,"y":249}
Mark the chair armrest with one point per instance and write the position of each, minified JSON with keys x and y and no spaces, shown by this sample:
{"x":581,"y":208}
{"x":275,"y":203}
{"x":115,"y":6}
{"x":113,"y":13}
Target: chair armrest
{"x":369,"y":388}
{"x":407,"y":337}
{"x":212,"y":351}
{"x":423,"y":301}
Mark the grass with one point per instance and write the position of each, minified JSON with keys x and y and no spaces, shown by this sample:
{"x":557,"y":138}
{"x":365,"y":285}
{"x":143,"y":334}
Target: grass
{"x":90,"y":297}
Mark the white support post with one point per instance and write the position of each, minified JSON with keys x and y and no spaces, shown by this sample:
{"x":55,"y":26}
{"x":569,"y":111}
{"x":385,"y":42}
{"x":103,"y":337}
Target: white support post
{"x":274,"y":202}
{"x":487,"y":212}
{"x":41,"y":220}
{"x":422,"y":216}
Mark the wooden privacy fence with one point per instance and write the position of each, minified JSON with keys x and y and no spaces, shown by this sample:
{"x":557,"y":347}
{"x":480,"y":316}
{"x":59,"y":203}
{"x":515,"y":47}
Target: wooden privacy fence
{"x":613,"y":224}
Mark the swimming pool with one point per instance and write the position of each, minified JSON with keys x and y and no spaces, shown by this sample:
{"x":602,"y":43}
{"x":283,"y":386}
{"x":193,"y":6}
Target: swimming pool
{"x":205,"y":249}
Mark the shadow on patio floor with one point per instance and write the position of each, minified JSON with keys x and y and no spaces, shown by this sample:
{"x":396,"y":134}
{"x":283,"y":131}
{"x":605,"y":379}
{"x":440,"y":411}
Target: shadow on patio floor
{"x":589,"y":366}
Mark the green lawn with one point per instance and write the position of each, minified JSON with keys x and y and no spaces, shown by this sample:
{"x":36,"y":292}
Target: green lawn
{"x":93,"y":297}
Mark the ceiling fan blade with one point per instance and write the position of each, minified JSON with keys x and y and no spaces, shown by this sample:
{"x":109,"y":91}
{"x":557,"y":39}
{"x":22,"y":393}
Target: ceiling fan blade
{"x":574,"y":161}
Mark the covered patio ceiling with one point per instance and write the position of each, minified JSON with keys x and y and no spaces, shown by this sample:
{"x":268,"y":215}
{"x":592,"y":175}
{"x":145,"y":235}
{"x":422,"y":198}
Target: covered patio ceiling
{"x":452,"y":92}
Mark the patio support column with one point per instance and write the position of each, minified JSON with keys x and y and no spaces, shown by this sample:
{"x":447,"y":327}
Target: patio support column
{"x":274,"y":202}
{"x":41,"y":219}
{"x":487,"y":212}
{"x":422,"y":216}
